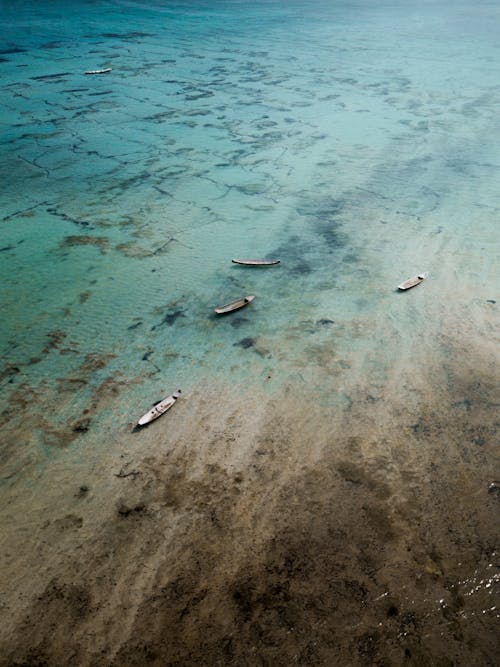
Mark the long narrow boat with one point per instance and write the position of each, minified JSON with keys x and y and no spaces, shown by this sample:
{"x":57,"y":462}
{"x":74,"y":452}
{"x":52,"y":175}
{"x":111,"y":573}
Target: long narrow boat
{"x":98,"y":71}
{"x":411,"y":282}
{"x":256,"y":262}
{"x":158,"y":409}
{"x":234,"y":305}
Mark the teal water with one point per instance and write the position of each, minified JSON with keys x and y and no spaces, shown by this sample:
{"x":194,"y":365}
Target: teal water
{"x":358,"y":142}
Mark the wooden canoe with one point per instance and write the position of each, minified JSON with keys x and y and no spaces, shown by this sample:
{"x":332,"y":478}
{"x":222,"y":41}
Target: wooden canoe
{"x":411,"y":282}
{"x":234,"y":305}
{"x":99,"y":71}
{"x":159,"y":409}
{"x":256,"y":262}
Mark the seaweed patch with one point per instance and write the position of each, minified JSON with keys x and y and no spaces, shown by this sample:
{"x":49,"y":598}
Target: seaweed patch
{"x":96,"y":360}
{"x":55,"y":340}
{"x":169,"y":319}
{"x":101,"y":242}
{"x":245,"y":343}
{"x":84,"y":296}
{"x":131,"y":249}
{"x":9,"y":371}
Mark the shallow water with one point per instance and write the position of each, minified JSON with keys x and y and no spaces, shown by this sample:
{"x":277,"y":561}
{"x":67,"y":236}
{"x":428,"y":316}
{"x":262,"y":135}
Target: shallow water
{"x":357,"y":143}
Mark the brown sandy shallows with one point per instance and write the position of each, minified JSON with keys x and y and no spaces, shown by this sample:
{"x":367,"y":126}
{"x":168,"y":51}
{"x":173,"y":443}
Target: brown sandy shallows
{"x":268,"y":531}
{"x":101,"y":242}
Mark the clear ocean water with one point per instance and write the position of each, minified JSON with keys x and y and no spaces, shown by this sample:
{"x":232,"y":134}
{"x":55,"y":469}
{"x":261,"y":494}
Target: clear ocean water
{"x":356,"y":142}
{"x":359,"y":143}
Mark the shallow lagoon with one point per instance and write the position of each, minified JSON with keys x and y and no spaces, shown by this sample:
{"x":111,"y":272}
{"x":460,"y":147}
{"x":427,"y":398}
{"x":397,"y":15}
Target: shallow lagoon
{"x":359,"y":145}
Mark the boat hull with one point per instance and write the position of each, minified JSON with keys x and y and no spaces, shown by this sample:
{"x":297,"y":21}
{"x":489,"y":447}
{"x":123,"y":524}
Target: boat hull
{"x":159,"y":409}
{"x":412,"y":282}
{"x":256,"y":262}
{"x":234,"y":305}
{"x":98,"y":71}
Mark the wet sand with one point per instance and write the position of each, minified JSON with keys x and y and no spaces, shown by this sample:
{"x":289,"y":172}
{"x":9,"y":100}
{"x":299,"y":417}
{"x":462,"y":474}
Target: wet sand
{"x":259,"y":528}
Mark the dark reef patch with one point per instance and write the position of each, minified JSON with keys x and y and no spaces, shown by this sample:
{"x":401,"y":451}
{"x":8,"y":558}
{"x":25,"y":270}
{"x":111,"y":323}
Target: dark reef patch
{"x":132,"y":249}
{"x":9,"y":371}
{"x":52,"y":45}
{"x":95,"y":361}
{"x":134,"y":326}
{"x":48,"y":77}
{"x":66,"y":599}
{"x":100,"y":242}
{"x":238,"y":321}
{"x":125,"y":509}
{"x":300,"y":268}
{"x":59,"y":438}
{"x":133,"y":34}
{"x":55,"y":340}
{"x":292,"y":256}
{"x":82,"y":425}
{"x":325,"y":215}
{"x":245,"y":343}
{"x":169,"y":318}
{"x":84,"y":296}
{"x":68,"y":218}
{"x":11,"y":50}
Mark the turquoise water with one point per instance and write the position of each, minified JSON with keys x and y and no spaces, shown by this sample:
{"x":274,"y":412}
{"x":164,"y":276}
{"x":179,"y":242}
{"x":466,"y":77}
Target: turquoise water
{"x":357,"y":143}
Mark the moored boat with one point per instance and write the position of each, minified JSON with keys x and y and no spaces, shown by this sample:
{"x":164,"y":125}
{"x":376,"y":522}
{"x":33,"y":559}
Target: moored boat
{"x":256,"y":262}
{"x":98,"y":71}
{"x":159,"y":409}
{"x":411,"y":282}
{"x":234,"y":305}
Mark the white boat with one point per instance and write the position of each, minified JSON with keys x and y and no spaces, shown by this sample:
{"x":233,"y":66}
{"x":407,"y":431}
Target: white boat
{"x":256,"y":262}
{"x":158,"y":409}
{"x":99,"y":71}
{"x":234,"y":305}
{"x":411,"y":282}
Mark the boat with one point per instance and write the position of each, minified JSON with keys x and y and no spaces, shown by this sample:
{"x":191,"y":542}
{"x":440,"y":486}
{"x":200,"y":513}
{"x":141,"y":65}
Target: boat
{"x":411,"y":282}
{"x":256,"y":262}
{"x":99,"y":71}
{"x":158,"y":409}
{"x":234,"y":305}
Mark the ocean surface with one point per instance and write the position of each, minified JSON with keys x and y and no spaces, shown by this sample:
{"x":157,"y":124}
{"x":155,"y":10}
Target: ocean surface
{"x":358,"y":142}
{"x":355,"y":143}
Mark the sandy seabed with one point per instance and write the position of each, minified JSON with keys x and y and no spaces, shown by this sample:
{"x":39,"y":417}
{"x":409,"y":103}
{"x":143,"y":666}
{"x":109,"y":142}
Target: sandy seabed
{"x":259,"y":528}
{"x":343,"y":511}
